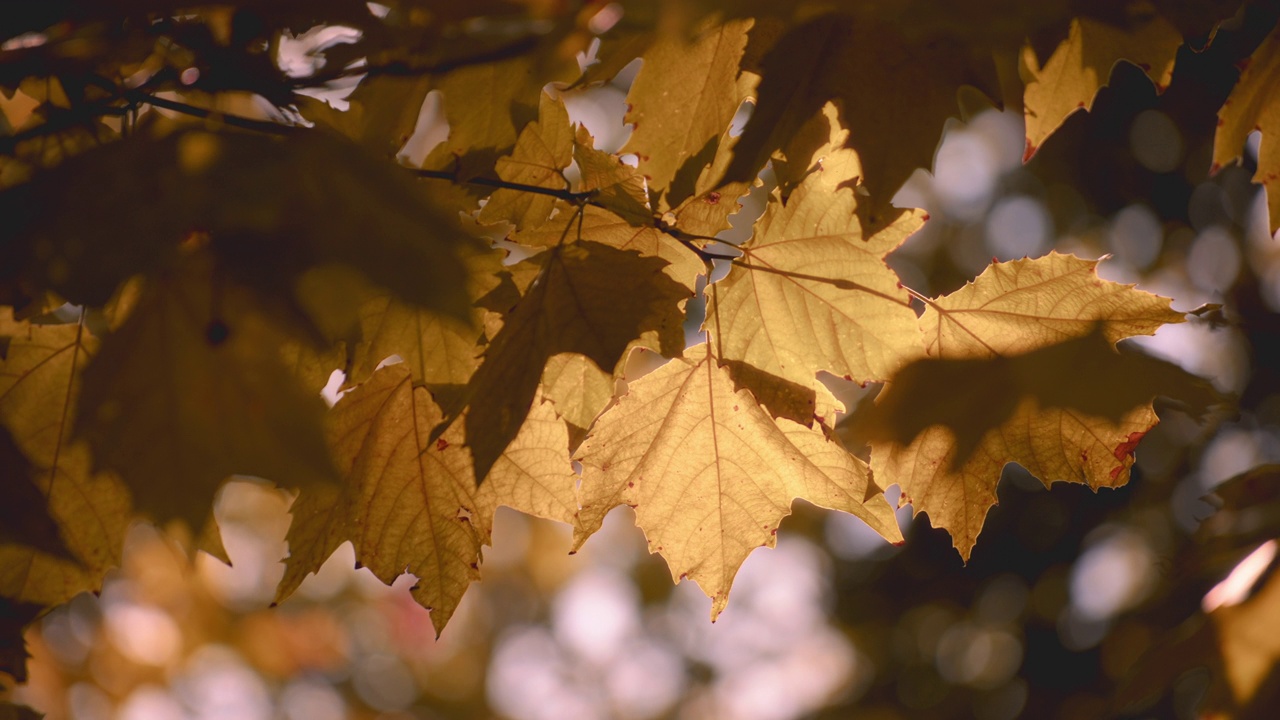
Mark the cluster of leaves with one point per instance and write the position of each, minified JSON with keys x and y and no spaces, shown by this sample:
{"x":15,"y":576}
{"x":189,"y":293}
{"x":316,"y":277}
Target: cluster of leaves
{"x":180,"y":278}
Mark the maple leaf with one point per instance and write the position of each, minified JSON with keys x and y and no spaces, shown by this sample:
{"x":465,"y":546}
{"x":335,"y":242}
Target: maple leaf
{"x":542,"y":152}
{"x":812,"y":293}
{"x":1254,"y":105}
{"x":487,"y":104}
{"x":439,"y":349}
{"x":710,"y":474}
{"x":587,"y":298}
{"x":39,"y":384}
{"x":1069,"y":411}
{"x":410,"y":502}
{"x":615,"y":186}
{"x":1020,"y":305}
{"x":382,"y":112}
{"x":1081,"y":65}
{"x":705,"y":74}
{"x":708,"y":197}
{"x":607,"y":228}
{"x":212,"y":400}
{"x":578,"y":389}
{"x":863,"y":65}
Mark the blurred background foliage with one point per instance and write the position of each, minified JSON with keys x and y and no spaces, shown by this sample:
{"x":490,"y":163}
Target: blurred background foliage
{"x":1123,"y":603}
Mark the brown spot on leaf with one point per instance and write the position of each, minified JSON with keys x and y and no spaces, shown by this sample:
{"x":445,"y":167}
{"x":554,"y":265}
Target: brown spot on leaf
{"x":712,"y":198}
{"x":441,"y":444}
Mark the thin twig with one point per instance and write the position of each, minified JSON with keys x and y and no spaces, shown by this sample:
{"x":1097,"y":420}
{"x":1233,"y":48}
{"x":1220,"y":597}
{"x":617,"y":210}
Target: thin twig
{"x":577,"y":198}
{"x":216,"y":116}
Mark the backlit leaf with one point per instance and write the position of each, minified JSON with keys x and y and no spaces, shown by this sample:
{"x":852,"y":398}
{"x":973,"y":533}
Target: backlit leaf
{"x":1081,"y":65}
{"x":704,"y":76}
{"x":1021,"y":369}
{"x":1254,"y":104}
{"x":438,"y":348}
{"x":812,"y":293}
{"x":710,"y":474}
{"x":602,"y":226}
{"x":1021,"y":305}
{"x":588,"y":298}
{"x":39,"y":384}
{"x":542,"y":152}
{"x":410,"y":503}
{"x":577,"y":388}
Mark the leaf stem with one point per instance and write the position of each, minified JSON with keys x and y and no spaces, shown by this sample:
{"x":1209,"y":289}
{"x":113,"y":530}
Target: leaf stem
{"x":919,"y":296}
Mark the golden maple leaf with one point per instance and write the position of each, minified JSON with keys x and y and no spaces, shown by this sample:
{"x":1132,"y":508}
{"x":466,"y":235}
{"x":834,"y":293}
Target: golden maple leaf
{"x":1081,"y":65}
{"x":1021,"y":369}
{"x":711,"y":474}
{"x":411,"y":503}
{"x":1254,"y":104}
{"x":39,"y":385}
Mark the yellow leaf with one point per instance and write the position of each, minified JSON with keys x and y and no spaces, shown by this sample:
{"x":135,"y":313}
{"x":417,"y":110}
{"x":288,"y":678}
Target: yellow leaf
{"x":1254,"y":104}
{"x":439,"y":349}
{"x":811,"y":293}
{"x":705,"y":207}
{"x":710,"y":474}
{"x":588,"y":298}
{"x":1022,"y":369}
{"x":39,"y":384}
{"x":191,"y":389}
{"x":310,"y":366}
{"x":618,"y":187}
{"x":684,"y":97}
{"x":410,"y":503}
{"x":605,"y":227}
{"x":1021,"y":305}
{"x":382,"y":112}
{"x":543,"y":150}
{"x":1081,"y":65}
{"x":577,"y":388}
{"x":486,"y":106}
